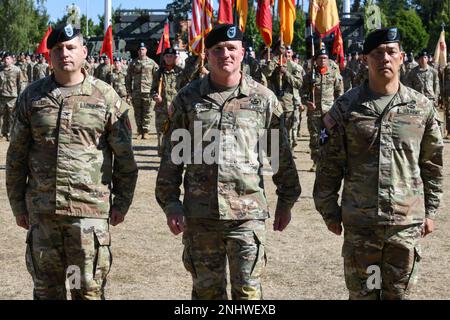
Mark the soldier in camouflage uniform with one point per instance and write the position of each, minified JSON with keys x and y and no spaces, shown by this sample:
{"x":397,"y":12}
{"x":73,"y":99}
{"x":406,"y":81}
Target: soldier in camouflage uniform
{"x":40,"y":69}
{"x":355,"y":63}
{"x":285,"y":80}
{"x":424,"y":79}
{"x":328,"y":87}
{"x":446,"y":97}
{"x":22,"y":64}
{"x":224,"y":208}
{"x":348,"y":77}
{"x":10,"y":82}
{"x":362,"y":75}
{"x":104,"y":69}
{"x":407,"y":66}
{"x":69,"y":169}
{"x":193,"y":69}
{"x":117,"y":79}
{"x":382,"y":139}
{"x":140,"y":76}
{"x":169,"y":80}
{"x":30,"y":68}
{"x":251,"y":67}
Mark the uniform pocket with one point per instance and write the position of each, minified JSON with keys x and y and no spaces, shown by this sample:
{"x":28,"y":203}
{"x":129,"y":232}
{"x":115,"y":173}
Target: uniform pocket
{"x":188,"y":262}
{"x":103,"y":258}
{"x":29,"y":258}
{"x":413,"y":276}
{"x":261,"y":258}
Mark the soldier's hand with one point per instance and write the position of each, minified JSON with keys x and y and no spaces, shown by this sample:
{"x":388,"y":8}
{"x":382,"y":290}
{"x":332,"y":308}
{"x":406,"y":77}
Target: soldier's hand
{"x":204,"y":71}
{"x":311,"y":106}
{"x":23,"y":221}
{"x":116,"y":217}
{"x":427,"y":227}
{"x":157,"y":98}
{"x":282,"y":219}
{"x":336,"y":228}
{"x":175,"y":221}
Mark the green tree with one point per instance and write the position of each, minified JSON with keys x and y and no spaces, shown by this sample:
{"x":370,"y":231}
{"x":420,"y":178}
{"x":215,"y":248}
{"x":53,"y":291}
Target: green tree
{"x":298,"y":44}
{"x":414,"y":34}
{"x":252,"y":37}
{"x":23,"y":25}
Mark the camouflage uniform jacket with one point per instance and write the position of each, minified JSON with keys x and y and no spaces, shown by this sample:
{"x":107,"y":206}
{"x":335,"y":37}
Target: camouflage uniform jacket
{"x":40,"y":71}
{"x":362,"y":76}
{"x":23,"y":66}
{"x":426,"y":81}
{"x":140,"y":76}
{"x":10,"y":81}
{"x":348,"y":77}
{"x":391,"y":162}
{"x":251,"y":67}
{"x":102,"y":71}
{"x":69,"y":156}
{"x":172,"y":81}
{"x":328,"y":87}
{"x":191,"y":69}
{"x":117,"y":81}
{"x":30,"y":69}
{"x":291,"y":82}
{"x":229,"y":189}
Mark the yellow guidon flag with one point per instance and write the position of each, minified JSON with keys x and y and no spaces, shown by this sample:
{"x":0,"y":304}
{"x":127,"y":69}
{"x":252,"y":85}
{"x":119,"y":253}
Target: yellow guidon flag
{"x":286,"y":10}
{"x":242,"y":11}
{"x":324,"y":16}
{"x":440,"y":53}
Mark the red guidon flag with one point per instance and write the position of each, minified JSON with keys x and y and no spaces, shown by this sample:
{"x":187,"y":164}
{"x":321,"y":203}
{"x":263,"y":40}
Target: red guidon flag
{"x":338,"y":48}
{"x":43,"y":45}
{"x":225,"y":11}
{"x":264,"y":21}
{"x":107,"y":46}
{"x":164,"y":43}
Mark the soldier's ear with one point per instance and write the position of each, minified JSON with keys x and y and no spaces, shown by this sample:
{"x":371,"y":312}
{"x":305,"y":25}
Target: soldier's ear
{"x":365,"y":58}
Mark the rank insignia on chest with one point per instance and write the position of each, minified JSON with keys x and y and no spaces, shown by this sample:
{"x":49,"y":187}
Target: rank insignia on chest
{"x":323,"y":138}
{"x":255,"y":101}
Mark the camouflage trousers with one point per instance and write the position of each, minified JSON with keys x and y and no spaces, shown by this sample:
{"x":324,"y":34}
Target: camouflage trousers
{"x":314,"y":126}
{"x":289,"y":122}
{"x":6,"y":115}
{"x":297,"y":123}
{"x":76,"y":249}
{"x":161,"y":115}
{"x":447,"y":115}
{"x":142,"y":106}
{"x":207,"y":245}
{"x":390,"y":253}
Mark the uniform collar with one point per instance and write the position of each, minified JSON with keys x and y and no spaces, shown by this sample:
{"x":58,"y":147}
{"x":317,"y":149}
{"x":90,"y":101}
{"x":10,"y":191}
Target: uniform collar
{"x":51,"y":86}
{"x":205,"y":87}
{"x":400,"y":97}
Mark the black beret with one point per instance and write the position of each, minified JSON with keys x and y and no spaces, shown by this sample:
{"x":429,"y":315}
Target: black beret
{"x":142,"y":45}
{"x":61,"y":33}
{"x":223,"y":32}
{"x":380,"y":36}
{"x":40,"y":56}
{"x":7,"y":54}
{"x":321,"y":52}
{"x":423,"y":53}
{"x":117,"y":59}
{"x":170,"y":51}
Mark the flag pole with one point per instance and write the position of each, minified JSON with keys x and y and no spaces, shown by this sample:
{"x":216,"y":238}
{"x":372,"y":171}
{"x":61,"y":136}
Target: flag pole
{"x":313,"y":72}
{"x":445,"y":107}
{"x":203,"y":32}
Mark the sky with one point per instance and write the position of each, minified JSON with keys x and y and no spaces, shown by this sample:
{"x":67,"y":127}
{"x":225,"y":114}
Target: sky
{"x":57,"y":8}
